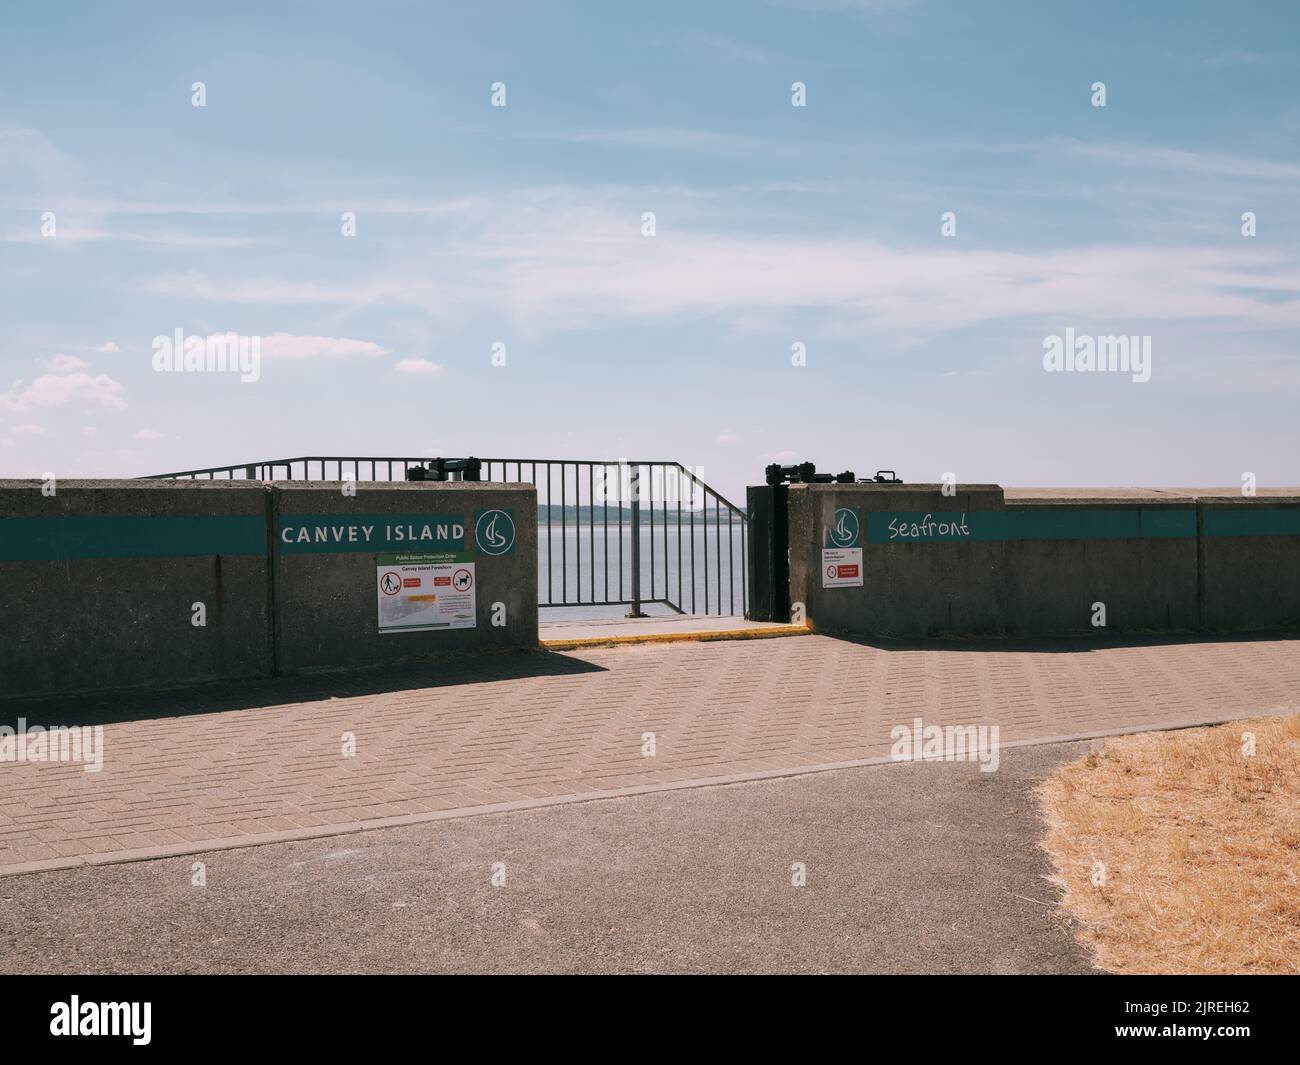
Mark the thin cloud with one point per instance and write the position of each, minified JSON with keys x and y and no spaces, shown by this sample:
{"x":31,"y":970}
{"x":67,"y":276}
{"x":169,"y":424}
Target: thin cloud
{"x":277,"y":291}
{"x":1157,"y":158}
{"x":716,"y":48}
{"x":671,"y":138}
{"x":289,"y":346}
{"x":65,"y":363}
{"x":59,"y":390}
{"x":1264,"y":374}
{"x":417,"y":366}
{"x":553,"y":264}
{"x":85,"y":234}
{"x":102,"y":206}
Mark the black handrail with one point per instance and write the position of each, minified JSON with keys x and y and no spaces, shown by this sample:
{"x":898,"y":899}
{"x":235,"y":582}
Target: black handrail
{"x":646,"y":482}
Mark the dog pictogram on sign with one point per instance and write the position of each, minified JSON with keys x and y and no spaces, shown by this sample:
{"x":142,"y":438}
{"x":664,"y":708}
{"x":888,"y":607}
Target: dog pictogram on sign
{"x":423,"y":591}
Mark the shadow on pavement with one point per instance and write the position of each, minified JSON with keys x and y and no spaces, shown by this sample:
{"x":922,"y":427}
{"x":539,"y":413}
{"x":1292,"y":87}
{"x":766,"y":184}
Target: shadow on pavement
{"x":105,"y":708}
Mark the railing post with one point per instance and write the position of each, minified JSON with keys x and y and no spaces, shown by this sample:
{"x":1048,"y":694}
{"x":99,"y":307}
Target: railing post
{"x":768,"y":532}
{"x":635,"y":612}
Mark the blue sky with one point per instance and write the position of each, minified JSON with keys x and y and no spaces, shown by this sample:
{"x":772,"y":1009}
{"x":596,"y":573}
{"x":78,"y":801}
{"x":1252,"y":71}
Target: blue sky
{"x":775,"y":225}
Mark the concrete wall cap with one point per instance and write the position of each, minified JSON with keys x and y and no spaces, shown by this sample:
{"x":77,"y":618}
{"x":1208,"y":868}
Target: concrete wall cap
{"x":1169,"y":495}
{"x":152,"y":485}
{"x":128,"y":485}
{"x":906,"y":487}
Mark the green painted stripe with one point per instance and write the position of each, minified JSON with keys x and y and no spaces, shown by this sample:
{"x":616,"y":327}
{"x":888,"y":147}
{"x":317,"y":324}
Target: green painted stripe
{"x":373,"y":533}
{"x":1250,"y":519}
{"x":1138,"y":523}
{"x":64,"y":538}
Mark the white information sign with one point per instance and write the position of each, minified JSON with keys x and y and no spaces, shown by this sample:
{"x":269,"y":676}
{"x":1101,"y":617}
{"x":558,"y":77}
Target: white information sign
{"x":841,"y":567}
{"x":418,"y":592}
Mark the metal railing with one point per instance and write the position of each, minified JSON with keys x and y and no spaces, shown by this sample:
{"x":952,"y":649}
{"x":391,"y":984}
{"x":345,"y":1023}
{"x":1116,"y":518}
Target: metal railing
{"x":609,"y":532}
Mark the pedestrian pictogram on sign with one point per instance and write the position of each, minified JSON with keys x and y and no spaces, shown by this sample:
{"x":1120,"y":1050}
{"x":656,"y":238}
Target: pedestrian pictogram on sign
{"x":418,"y":592}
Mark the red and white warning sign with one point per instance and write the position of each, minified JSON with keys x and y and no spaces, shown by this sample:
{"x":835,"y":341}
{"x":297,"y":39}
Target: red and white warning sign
{"x":842,"y":567}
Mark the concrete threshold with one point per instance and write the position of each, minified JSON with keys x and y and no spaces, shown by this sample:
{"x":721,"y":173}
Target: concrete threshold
{"x":571,"y":635}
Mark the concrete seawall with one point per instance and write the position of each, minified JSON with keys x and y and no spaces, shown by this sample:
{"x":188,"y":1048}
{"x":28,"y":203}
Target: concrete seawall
{"x":117,"y":584}
{"x":326,"y":594}
{"x":100,"y":580}
{"x":906,"y":560}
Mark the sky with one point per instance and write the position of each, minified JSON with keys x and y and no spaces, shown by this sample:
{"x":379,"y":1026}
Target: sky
{"x":127,"y":213}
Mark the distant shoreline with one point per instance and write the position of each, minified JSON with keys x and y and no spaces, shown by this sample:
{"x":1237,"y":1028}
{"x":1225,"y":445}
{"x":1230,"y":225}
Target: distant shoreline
{"x":597,"y":515}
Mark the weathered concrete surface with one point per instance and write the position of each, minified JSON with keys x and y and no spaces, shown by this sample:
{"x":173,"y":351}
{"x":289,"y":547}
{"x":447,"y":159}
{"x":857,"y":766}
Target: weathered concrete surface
{"x":106,"y":582}
{"x":1047,"y":587}
{"x":229,"y":765}
{"x":1125,"y":494}
{"x":910,"y":869}
{"x":1249,"y":582}
{"x":326,"y":613}
{"x":1018,"y":495}
{"x":72,"y":621}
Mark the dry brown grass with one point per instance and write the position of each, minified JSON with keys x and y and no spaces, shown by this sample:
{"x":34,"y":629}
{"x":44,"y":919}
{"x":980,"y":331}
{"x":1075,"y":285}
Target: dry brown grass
{"x":1201,"y":846}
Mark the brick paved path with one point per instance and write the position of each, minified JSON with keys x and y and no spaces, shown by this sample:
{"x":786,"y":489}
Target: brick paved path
{"x":231,"y":765}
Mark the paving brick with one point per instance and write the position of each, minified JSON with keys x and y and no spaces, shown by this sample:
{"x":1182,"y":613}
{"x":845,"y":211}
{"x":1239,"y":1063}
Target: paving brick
{"x":542,"y":727}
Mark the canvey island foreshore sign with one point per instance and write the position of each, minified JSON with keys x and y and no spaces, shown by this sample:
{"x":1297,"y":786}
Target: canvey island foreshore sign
{"x":369,"y":532}
{"x":494,"y":532}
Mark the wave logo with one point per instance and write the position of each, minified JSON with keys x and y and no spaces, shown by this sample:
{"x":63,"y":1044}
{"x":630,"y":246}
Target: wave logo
{"x":494,"y":533}
{"x":844,"y":533}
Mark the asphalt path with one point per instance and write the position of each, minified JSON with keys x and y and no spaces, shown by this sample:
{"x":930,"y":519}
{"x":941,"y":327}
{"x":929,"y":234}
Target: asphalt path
{"x":909,"y":868}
